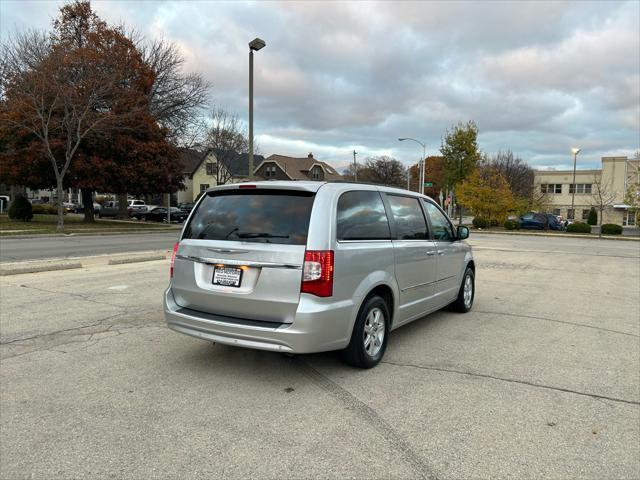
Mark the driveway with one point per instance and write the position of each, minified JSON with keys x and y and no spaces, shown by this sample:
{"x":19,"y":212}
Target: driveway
{"x":539,"y":380}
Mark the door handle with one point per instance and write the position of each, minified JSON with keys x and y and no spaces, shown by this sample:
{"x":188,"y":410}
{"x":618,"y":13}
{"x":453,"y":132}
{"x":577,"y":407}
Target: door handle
{"x":431,"y":254}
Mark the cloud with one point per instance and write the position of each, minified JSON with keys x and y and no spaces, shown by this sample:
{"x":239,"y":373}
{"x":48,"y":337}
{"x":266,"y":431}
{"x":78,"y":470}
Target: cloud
{"x":537,"y":77}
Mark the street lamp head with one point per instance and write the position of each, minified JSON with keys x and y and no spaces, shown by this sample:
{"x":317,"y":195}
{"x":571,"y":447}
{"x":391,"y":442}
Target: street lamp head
{"x":256,"y":44}
{"x":402,"y":139}
{"x":575,"y":151}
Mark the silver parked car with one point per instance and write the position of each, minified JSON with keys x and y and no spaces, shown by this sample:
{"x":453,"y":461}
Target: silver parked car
{"x":304,"y":267}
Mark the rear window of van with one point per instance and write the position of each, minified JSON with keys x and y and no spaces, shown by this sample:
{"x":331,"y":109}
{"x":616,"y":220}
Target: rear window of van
{"x":253,"y":215}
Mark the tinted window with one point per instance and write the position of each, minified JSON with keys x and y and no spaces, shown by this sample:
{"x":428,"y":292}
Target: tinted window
{"x":361,"y":216}
{"x":268,"y":216}
{"x":409,"y":219}
{"x":441,"y":226}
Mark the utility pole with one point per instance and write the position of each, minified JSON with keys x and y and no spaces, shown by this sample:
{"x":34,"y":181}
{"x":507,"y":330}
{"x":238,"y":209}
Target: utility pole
{"x":355,"y":167}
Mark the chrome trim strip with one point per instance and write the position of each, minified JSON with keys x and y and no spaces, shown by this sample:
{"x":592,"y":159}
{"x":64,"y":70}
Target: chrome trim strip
{"x":240,"y":263}
{"x":418,"y":285}
{"x":427,"y":283}
{"x":226,"y":250}
{"x":381,"y":240}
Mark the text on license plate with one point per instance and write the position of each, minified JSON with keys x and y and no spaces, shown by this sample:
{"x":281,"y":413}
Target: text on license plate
{"x":227,"y":277}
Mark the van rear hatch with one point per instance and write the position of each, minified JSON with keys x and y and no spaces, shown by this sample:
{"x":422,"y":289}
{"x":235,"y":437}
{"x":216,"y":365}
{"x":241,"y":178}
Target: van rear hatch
{"x":242,"y":252}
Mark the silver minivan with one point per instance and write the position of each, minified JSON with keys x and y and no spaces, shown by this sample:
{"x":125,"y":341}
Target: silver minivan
{"x":300,"y":267}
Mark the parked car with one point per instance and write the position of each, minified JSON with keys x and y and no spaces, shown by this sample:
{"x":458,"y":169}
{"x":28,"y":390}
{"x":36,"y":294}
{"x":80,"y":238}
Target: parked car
{"x":109,"y":209}
{"x":554,"y":223}
{"x":159,"y":214}
{"x":79,"y":208}
{"x":186,"y":207}
{"x":300,"y":267}
{"x":534,"y":221}
{"x":136,"y":206}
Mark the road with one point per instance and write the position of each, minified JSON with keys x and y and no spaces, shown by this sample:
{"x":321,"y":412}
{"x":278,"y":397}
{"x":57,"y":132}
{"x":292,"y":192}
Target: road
{"x":34,"y":248}
{"x":17,"y":249}
{"x":539,"y":380}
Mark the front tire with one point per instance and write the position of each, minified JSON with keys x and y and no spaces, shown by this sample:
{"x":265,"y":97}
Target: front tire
{"x":370,"y":332}
{"x":466,"y":294}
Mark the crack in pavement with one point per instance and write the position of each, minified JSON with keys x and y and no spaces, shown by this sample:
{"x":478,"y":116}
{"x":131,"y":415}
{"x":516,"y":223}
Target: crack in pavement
{"x":77,"y":295}
{"x":66,"y":330}
{"x":373,"y":418}
{"x":512,"y":380}
{"x":121,"y":330}
{"x":584,"y":325}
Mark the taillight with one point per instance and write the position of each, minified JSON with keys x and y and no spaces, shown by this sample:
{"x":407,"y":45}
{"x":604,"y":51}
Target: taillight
{"x":173,"y":258}
{"x":317,"y":273}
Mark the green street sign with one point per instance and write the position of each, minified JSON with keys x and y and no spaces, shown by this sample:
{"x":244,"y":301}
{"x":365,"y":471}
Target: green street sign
{"x":428,"y":184}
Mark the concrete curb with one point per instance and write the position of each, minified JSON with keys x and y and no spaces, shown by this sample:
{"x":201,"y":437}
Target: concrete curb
{"x":48,"y":265}
{"x":557,"y":235}
{"x":35,"y":268}
{"x":150,"y":258}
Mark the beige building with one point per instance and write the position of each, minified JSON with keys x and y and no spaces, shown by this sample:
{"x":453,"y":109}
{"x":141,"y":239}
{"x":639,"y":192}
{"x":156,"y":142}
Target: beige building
{"x":614,"y":178}
{"x":200,"y":172}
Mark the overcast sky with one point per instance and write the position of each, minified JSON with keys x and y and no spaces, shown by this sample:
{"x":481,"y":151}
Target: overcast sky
{"x":537,"y":77}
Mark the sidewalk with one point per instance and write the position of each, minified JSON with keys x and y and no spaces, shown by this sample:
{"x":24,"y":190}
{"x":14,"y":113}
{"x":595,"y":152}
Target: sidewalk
{"x":593,"y":236}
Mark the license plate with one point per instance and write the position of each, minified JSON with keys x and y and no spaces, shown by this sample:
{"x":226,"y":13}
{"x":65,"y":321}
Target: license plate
{"x":227,"y":277}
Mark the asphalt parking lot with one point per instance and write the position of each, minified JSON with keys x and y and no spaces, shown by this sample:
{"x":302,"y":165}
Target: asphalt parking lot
{"x":540,"y":380}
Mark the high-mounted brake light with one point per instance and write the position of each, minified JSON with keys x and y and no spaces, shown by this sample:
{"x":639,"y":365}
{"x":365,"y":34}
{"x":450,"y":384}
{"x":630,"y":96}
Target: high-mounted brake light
{"x":247,"y":186}
{"x":173,"y":258}
{"x":317,"y":273}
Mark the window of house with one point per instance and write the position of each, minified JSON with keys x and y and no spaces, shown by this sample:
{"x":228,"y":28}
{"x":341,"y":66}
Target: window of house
{"x":629,"y":218}
{"x":212,"y":168}
{"x":316,"y":173}
{"x":570,"y":213}
{"x":580,"y":188}
{"x":204,"y":187}
{"x":556,"y":211}
{"x":270,"y":171}
{"x":551,"y":188}
{"x":361,"y":216}
{"x":408,"y":217}
{"x":585,"y":213}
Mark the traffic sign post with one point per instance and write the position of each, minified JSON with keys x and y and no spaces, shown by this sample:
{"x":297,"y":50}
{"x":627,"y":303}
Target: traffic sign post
{"x":428,"y":184}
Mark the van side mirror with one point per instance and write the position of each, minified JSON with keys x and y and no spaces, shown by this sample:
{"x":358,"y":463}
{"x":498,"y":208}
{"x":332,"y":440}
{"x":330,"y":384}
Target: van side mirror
{"x":463,"y":232}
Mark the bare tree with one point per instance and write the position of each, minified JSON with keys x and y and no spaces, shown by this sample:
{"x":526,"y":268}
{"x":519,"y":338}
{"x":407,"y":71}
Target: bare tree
{"x":177,"y":98}
{"x":227,"y":139}
{"x":351,"y":170}
{"x":383,"y":170}
{"x":515,"y":170}
{"x":602,"y":197}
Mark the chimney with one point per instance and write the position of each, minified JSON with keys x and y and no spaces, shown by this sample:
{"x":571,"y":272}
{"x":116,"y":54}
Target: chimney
{"x":310,"y":155}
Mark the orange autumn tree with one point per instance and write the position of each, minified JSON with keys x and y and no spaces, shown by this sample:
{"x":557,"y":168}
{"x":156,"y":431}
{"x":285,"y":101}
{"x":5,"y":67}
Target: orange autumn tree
{"x":56,"y":90}
{"x":486,"y":192}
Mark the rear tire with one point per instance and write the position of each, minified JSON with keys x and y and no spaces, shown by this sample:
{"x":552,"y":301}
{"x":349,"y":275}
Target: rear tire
{"x":466,"y":294}
{"x":370,"y":332}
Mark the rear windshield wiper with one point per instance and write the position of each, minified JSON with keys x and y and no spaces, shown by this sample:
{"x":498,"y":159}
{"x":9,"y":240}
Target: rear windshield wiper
{"x":259,"y":235}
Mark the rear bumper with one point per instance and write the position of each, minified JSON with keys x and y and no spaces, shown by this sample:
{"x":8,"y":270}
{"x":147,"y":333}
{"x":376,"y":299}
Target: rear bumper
{"x":318,"y":326}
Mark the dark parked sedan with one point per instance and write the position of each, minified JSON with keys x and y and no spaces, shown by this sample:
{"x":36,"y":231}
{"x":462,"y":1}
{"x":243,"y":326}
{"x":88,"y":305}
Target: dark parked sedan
{"x":534,"y":221}
{"x":554,"y":223}
{"x":159,"y":214}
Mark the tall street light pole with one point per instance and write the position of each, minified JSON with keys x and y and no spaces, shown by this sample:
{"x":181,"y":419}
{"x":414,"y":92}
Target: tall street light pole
{"x":355,"y":167}
{"x":254,"y":45}
{"x":575,"y":152}
{"x":422,"y":161}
